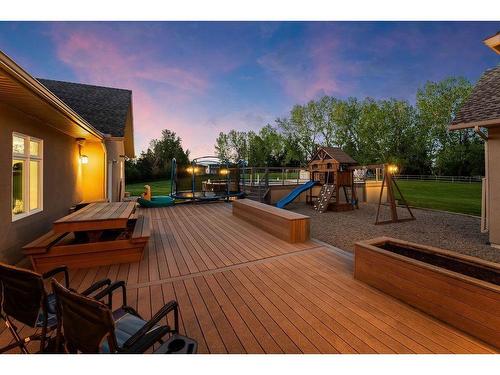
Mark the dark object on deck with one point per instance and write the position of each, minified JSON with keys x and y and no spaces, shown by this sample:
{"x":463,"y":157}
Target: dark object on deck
{"x":90,"y":326}
{"x":24,"y":298}
{"x":178,"y":344}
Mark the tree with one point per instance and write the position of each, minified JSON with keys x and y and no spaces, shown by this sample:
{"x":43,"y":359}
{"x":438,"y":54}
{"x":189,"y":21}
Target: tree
{"x":238,"y":145}
{"x":222,"y":147}
{"x":453,"y":153}
{"x":155,"y":162}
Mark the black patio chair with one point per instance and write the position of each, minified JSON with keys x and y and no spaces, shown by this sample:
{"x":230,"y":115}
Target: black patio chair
{"x":87,"y":325}
{"x":23,"y":298}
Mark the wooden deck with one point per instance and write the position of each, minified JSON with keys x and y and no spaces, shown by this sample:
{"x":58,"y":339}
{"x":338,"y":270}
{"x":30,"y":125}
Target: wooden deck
{"x":241,"y":290}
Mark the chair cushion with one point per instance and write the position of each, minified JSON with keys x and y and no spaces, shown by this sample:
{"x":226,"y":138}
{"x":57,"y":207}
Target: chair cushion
{"x":126,"y":325}
{"x":51,"y":310}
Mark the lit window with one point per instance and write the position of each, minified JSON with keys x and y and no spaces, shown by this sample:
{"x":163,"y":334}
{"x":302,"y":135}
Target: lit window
{"x":27,"y":158}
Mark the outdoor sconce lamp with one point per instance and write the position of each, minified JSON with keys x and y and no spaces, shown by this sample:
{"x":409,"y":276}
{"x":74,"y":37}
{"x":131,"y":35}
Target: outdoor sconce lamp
{"x":84,"y":159}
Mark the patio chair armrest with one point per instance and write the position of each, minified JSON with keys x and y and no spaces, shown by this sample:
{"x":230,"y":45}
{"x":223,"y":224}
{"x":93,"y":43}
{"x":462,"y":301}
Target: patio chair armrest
{"x":57,"y":270}
{"x":108,"y":291}
{"x":96,"y":286}
{"x":170,"y":306}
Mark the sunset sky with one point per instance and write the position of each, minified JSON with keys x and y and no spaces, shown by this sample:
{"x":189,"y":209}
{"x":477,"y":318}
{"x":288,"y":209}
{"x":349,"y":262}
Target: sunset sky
{"x":200,"y":78}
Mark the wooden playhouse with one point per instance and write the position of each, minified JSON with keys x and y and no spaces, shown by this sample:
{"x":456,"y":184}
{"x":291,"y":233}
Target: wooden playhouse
{"x":332,"y":169}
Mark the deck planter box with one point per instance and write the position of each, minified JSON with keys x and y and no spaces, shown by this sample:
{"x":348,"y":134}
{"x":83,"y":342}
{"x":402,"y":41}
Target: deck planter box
{"x":461,"y":290}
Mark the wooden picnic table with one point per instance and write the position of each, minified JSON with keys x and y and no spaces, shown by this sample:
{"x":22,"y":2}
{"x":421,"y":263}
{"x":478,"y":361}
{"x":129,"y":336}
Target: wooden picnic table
{"x":98,"y":234}
{"x":96,"y":217}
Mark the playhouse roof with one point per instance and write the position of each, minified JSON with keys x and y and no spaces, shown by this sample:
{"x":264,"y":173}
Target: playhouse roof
{"x":337,"y":154}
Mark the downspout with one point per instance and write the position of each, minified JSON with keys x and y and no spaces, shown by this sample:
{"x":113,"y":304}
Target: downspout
{"x":485,"y":201}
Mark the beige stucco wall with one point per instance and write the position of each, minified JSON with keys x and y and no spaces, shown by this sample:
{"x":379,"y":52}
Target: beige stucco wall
{"x":62,"y":175}
{"x":494,"y":184}
{"x":114,"y":152}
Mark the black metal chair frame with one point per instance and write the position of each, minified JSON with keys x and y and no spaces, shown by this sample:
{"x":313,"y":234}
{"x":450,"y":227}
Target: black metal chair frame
{"x":138,"y":342}
{"x":42,"y":305}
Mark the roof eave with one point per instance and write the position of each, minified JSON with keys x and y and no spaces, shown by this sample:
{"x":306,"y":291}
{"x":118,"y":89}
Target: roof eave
{"x":23,"y":77}
{"x":473,"y":124}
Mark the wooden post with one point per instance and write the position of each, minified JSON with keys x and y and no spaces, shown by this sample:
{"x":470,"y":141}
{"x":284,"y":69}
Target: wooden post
{"x":391,"y":183}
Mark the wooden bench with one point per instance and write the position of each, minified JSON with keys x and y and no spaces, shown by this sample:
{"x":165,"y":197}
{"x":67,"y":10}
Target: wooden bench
{"x":286,"y":225}
{"x":43,"y":243}
{"x":142,"y":229}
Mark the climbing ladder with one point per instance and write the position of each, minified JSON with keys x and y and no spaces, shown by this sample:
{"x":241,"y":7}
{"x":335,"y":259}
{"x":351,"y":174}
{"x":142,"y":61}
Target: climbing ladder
{"x":326,"y":193}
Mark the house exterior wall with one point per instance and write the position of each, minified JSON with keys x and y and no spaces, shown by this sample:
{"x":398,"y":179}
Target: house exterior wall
{"x":94,"y":173}
{"x":494,"y":184}
{"x":62,"y":175}
{"x":115,"y":150}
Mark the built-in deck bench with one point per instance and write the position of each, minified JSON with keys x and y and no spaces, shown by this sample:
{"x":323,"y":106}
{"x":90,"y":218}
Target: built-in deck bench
{"x":286,"y":225}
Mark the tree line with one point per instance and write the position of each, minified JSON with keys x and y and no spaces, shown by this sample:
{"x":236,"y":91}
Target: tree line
{"x":156,"y":162}
{"x":415,"y":137}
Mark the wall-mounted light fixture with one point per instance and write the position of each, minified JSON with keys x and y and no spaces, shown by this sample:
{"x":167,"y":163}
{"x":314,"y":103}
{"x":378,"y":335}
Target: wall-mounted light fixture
{"x":84,"y":159}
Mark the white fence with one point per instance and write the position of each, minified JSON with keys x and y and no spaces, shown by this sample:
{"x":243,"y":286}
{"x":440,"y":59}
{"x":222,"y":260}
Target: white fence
{"x":462,"y":179}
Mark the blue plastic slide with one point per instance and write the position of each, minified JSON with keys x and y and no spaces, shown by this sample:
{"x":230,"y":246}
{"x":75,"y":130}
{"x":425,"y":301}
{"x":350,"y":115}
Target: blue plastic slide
{"x":295,"y":193}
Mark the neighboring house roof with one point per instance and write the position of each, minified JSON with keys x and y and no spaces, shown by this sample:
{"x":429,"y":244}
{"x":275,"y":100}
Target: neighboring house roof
{"x":337,"y":154}
{"x":482,"y":108}
{"x":105,"y":108}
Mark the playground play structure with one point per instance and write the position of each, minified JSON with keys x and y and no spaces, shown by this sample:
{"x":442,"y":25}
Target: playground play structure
{"x":206,"y":179}
{"x":390,"y":183}
{"x":330,"y":168}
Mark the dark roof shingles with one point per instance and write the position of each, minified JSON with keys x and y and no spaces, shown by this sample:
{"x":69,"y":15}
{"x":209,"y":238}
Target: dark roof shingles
{"x":484,"y":101}
{"x":105,"y":108}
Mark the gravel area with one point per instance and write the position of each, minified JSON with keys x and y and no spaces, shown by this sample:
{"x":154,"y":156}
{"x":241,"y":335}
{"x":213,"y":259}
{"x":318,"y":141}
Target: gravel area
{"x":456,"y":232}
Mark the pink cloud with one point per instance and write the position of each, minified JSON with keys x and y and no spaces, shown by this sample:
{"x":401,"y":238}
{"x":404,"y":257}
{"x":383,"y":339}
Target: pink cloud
{"x":305,"y":77}
{"x":157,"y":87}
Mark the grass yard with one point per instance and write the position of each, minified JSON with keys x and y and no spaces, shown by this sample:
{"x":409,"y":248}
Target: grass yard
{"x":446,"y":196}
{"x":160,"y":187}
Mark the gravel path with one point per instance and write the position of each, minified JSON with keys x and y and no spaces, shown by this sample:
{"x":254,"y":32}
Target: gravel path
{"x":445,"y":230}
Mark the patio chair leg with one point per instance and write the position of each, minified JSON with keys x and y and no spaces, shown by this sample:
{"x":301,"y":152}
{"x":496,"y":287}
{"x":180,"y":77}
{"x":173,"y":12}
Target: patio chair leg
{"x":18,"y":340}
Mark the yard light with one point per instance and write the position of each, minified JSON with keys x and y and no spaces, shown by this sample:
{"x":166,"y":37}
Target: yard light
{"x":392,"y":169}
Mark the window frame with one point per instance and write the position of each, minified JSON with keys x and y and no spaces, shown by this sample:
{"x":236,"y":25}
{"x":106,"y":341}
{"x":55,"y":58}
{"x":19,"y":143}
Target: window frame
{"x":26,"y":157}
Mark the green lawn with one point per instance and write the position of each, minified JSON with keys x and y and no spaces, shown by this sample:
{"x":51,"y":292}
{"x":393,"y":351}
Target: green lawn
{"x":455,"y":197}
{"x":160,"y":187}
{"x":446,"y":196}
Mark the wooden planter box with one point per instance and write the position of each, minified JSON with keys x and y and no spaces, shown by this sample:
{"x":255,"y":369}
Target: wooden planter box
{"x":461,"y":290}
